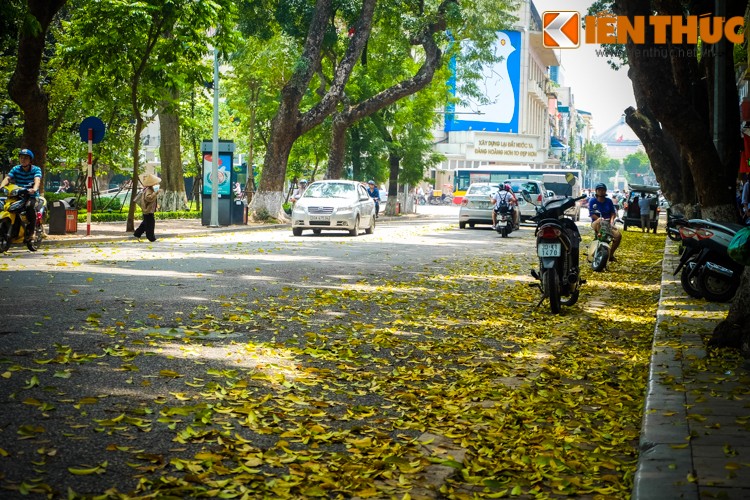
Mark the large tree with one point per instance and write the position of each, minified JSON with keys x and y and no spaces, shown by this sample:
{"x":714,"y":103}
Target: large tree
{"x":25,"y":87}
{"x":674,"y":91}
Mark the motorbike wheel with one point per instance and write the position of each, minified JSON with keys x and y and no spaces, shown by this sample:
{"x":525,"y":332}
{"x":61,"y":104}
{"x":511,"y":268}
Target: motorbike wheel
{"x":5,"y":235}
{"x":601,"y":257}
{"x":504,"y":232}
{"x":551,"y":285}
{"x":36,"y":241}
{"x":690,"y":285}
{"x":715,"y":287}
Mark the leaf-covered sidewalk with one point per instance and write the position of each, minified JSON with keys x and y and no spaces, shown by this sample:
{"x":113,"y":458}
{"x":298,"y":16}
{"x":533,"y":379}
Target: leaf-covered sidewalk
{"x":449,"y":383}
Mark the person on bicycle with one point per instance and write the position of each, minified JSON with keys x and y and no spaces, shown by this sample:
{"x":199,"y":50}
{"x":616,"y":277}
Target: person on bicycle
{"x":505,"y":196}
{"x":602,"y":205}
{"x":28,"y":176}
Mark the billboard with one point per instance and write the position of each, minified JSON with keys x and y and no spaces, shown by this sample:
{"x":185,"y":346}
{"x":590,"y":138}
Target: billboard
{"x":225,"y":178}
{"x":501,"y":86}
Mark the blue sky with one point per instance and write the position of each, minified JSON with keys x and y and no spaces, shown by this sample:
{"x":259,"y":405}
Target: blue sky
{"x":597,"y":88}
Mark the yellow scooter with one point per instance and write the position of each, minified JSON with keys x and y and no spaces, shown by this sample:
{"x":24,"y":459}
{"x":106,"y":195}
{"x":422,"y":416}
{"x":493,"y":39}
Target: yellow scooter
{"x":13,"y":218}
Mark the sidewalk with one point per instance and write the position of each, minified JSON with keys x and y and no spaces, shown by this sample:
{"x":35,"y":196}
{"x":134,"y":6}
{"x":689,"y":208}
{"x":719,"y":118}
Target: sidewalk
{"x":166,"y":228}
{"x":695,"y":436}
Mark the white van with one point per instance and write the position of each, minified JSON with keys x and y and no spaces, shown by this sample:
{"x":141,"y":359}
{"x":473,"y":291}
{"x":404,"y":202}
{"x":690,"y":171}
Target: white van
{"x":536,"y":189}
{"x":558,"y":184}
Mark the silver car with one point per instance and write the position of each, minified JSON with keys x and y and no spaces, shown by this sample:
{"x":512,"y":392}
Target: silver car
{"x":476,"y":206}
{"x":537,"y":193}
{"x":334,"y":205}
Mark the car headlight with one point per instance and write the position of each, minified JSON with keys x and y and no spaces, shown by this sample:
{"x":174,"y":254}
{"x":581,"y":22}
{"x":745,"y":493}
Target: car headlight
{"x":298,"y":210}
{"x":344,"y":210}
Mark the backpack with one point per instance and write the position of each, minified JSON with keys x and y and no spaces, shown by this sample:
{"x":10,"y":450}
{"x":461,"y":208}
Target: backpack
{"x":502,"y":203}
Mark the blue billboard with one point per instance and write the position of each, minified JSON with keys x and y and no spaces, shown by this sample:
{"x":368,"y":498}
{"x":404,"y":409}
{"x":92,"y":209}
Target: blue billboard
{"x":501,"y":86}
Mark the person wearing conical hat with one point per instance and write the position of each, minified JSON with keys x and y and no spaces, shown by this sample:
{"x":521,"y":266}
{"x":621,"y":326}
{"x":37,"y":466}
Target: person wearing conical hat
{"x":147,"y":199}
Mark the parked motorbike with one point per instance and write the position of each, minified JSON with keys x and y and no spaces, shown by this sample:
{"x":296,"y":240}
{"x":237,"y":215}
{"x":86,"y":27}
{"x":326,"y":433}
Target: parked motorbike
{"x":599,"y":249}
{"x":13,"y":219}
{"x":557,"y":245}
{"x":438,"y":197}
{"x":706,"y":269}
{"x":675,"y":220}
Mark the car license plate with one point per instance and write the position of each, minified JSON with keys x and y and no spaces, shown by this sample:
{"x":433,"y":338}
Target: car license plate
{"x":548,"y":249}
{"x":320,"y":218}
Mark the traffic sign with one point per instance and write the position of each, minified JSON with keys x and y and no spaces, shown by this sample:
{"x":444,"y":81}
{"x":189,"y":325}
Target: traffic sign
{"x":96,"y":126}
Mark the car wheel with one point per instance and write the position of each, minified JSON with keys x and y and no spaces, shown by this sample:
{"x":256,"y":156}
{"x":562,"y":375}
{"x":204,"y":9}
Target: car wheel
{"x":316,"y":231}
{"x":355,"y":230}
{"x":296,"y":231}
{"x":371,"y":229}
{"x":462,"y":225}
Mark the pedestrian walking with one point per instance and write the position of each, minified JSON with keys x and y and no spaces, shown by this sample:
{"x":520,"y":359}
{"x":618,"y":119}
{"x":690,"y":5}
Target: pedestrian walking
{"x":644,"y":204}
{"x":147,"y":199}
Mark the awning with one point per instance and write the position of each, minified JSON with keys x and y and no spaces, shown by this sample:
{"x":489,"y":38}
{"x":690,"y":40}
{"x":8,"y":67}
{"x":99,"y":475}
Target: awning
{"x":557,"y":143}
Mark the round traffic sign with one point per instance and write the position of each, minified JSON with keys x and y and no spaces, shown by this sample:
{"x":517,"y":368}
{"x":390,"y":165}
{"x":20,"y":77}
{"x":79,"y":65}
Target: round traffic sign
{"x":96,"y":126}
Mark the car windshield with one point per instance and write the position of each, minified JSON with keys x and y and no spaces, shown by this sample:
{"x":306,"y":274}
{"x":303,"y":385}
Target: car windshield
{"x":480,"y":190}
{"x":331,"y":190}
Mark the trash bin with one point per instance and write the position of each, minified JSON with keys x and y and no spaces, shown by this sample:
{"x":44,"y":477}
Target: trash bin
{"x":239,"y":212}
{"x":62,"y":218}
{"x":57,"y":214}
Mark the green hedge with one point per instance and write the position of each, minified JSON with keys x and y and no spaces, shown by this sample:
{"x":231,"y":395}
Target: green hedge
{"x":99,"y":204}
{"x":123,"y":216}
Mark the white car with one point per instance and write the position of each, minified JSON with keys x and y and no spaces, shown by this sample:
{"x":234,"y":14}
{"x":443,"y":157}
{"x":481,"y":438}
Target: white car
{"x":334,"y":205}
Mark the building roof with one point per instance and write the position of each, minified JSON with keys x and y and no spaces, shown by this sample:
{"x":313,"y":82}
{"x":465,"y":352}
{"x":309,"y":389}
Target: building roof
{"x":619,"y":133}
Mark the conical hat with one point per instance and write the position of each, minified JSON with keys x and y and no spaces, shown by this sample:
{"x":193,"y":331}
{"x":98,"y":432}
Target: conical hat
{"x":150,"y":180}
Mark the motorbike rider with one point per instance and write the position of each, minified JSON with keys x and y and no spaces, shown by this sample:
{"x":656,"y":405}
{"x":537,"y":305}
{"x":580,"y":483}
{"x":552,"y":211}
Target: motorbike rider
{"x":505,"y":194}
{"x":299,"y":191}
{"x":374,"y":193}
{"x":29,"y":176}
{"x":601,"y":207}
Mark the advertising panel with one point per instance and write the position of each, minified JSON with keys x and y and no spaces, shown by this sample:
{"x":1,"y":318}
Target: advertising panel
{"x":225,"y":182}
{"x":501,"y":88}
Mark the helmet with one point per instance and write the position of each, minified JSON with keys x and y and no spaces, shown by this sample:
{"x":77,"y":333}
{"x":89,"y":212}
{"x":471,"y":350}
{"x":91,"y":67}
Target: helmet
{"x":601,"y":185}
{"x":303,"y":181}
{"x":371,"y":182}
{"x":26,"y":152}
{"x":507,"y":187}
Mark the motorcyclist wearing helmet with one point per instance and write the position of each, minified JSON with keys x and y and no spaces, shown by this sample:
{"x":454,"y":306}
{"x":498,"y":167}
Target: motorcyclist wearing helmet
{"x":299,"y":191}
{"x":601,"y":207}
{"x":374,"y":193}
{"x":505,"y":193}
{"x":27,"y":175}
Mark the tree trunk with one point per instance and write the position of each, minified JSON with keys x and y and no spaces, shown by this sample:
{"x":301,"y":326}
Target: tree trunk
{"x":172,"y":192}
{"x":337,"y":151}
{"x":24,"y":86}
{"x":394,"y":164}
{"x":135,"y":179}
{"x":288,"y":124}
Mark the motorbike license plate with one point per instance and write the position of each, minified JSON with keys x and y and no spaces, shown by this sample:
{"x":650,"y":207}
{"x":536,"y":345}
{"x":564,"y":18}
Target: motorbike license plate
{"x":549,"y":249}
{"x":320,"y":217}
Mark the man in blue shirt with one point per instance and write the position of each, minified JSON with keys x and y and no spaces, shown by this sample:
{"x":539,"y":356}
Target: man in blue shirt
{"x":604,"y":206}
{"x":28,"y":176}
{"x":374,"y":193}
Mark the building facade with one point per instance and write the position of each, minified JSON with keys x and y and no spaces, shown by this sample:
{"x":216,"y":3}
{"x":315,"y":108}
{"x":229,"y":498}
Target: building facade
{"x":514,"y":127}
